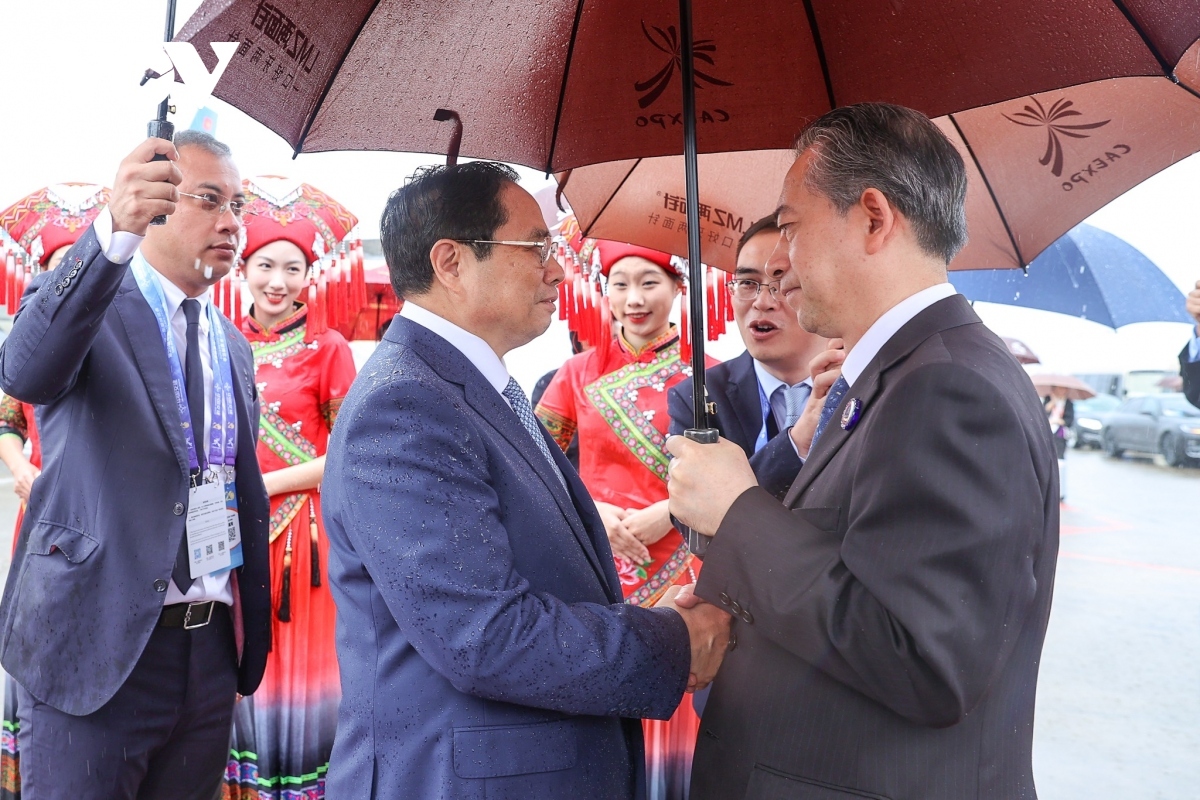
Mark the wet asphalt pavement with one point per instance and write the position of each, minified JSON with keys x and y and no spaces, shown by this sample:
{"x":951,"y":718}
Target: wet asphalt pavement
{"x":1118,"y":711}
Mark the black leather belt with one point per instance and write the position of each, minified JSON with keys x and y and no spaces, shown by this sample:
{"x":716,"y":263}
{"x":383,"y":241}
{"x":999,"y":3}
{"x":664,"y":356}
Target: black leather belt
{"x":188,"y":616}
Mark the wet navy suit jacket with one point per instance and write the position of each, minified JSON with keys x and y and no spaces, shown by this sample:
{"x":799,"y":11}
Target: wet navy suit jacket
{"x":105,"y":517}
{"x":483,"y":644}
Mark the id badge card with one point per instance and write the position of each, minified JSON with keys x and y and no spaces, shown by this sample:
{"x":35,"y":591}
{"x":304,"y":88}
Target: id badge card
{"x":207,"y":529}
{"x":233,"y":525}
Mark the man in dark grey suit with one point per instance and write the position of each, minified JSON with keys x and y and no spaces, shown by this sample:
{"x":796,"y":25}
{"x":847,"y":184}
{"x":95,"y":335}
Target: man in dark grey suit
{"x":890,"y":613}
{"x":130,"y":637}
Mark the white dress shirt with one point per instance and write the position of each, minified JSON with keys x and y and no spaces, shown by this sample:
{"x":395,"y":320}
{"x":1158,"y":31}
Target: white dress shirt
{"x":119,"y":248}
{"x":886,"y":327}
{"x":476,"y":350}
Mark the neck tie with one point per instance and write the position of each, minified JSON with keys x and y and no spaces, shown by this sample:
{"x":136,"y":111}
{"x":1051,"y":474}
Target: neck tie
{"x":520,"y":404}
{"x":193,"y":373}
{"x":836,"y":393}
{"x":794,"y":398}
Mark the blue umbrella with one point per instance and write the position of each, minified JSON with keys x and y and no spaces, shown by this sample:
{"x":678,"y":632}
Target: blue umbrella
{"x":1088,"y":273}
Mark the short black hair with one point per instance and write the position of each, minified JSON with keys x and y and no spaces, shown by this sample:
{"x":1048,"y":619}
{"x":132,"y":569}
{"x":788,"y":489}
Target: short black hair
{"x":767,"y":223}
{"x":441,"y":202}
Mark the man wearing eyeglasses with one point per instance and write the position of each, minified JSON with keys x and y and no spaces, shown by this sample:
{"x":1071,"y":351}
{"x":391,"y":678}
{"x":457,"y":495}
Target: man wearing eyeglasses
{"x":483,"y":643}
{"x":764,"y":391}
{"x":137,"y":607}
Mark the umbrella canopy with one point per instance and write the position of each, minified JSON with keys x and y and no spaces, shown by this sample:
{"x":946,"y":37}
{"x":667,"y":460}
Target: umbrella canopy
{"x":1036,"y":166}
{"x":1021,"y":351}
{"x":1090,"y":274}
{"x":1075,"y":388}
{"x":557,"y":84}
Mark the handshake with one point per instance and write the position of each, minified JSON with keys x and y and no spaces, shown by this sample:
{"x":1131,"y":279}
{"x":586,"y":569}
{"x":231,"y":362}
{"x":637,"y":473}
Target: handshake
{"x":709,"y":631}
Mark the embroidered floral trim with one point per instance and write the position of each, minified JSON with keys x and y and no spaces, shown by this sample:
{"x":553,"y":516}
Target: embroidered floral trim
{"x":284,"y":440}
{"x":667,"y":575}
{"x":615,"y":397}
{"x":12,"y":417}
{"x":286,"y":512}
{"x":561,"y":429}
{"x":330,"y":409}
{"x":275,"y":352}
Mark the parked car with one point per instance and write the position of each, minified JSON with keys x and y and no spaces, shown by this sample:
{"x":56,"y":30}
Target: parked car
{"x":1156,"y":423}
{"x":1090,"y":415}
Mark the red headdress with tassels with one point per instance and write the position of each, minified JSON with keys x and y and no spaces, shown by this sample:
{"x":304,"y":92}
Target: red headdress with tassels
{"x":38,"y":225}
{"x":277,"y":209}
{"x":583,"y":304}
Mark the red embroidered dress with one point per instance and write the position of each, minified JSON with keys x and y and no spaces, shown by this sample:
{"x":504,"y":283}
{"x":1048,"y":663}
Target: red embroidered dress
{"x":283,"y":733}
{"x":615,"y":397}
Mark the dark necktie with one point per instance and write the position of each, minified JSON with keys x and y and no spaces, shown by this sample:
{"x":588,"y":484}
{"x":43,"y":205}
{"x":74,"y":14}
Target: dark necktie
{"x":193,"y":372}
{"x":520,"y":404}
{"x":836,"y":393}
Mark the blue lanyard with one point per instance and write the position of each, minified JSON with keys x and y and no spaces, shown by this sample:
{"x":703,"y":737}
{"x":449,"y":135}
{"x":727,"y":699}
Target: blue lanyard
{"x":222,"y":438}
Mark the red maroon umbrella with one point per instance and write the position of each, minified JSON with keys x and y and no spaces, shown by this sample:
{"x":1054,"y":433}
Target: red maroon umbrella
{"x":557,"y":84}
{"x":1036,"y":165}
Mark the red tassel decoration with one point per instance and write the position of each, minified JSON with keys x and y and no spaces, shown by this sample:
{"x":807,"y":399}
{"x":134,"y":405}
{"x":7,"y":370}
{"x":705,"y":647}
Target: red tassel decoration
{"x":13,"y":296}
{"x":323,"y":302}
{"x":360,"y":272}
{"x":685,"y":342}
{"x":9,"y":261}
{"x":311,"y":301}
{"x":237,"y":298}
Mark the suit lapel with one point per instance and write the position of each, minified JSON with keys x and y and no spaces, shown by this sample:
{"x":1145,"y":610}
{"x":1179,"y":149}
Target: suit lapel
{"x":744,"y":400}
{"x":452,"y":365}
{"x":493,"y":408}
{"x":951,"y":312}
{"x":150,"y":355}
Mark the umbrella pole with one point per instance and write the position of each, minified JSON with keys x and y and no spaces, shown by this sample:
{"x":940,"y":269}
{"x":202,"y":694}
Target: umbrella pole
{"x":160,"y":127}
{"x":697,"y":297}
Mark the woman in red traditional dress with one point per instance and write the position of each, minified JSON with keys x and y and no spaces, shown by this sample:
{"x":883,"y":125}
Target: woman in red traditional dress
{"x":283,"y":734}
{"x":43,"y":226}
{"x":615,"y":398}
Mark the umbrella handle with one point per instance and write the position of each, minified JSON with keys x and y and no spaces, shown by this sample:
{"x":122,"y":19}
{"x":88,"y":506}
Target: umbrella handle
{"x":441,"y":115}
{"x":697,"y":542}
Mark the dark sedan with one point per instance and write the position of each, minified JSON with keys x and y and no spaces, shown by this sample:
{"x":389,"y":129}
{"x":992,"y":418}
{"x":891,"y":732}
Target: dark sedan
{"x":1090,"y":415}
{"x":1156,"y":423}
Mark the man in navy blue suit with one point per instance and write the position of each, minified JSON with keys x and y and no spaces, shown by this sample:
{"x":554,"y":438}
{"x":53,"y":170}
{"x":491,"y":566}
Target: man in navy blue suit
{"x":130,"y":638}
{"x":484,"y":646}
{"x":766,"y":390}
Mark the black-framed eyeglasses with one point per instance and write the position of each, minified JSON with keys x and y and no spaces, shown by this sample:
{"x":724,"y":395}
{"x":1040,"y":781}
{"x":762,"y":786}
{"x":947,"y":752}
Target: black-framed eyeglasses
{"x":218,"y":204}
{"x":545,"y":247}
{"x":747,"y":289}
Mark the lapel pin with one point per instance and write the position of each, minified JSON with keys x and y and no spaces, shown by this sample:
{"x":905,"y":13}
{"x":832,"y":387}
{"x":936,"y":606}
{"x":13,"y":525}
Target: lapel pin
{"x":852,"y":413}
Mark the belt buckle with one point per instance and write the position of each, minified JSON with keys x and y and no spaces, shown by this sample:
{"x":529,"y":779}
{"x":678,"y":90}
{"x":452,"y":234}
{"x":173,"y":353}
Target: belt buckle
{"x":188,"y":625}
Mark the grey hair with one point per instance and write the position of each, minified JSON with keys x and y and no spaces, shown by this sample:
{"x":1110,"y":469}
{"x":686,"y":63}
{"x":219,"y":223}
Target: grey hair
{"x":901,"y":153}
{"x":205,"y":141}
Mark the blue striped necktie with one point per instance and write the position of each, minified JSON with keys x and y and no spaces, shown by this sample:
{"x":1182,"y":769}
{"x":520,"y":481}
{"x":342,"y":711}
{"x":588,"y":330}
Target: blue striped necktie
{"x":836,"y":393}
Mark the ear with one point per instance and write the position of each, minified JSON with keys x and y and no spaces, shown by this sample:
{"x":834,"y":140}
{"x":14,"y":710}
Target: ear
{"x":446,"y":258}
{"x":881,"y":218}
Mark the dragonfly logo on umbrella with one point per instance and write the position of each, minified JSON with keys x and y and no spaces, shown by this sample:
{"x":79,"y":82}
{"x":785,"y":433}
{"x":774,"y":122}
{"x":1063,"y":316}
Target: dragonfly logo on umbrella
{"x":1036,"y":116}
{"x":667,"y":41}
